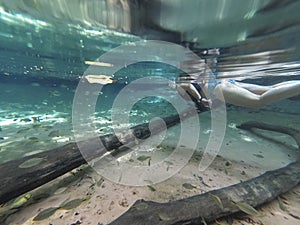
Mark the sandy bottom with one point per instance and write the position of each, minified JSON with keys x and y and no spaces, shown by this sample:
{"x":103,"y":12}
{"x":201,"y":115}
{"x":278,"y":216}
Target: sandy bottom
{"x":107,"y":201}
{"x":243,"y":155}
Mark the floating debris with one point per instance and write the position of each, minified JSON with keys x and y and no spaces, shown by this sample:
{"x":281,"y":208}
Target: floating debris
{"x":99,"y":63}
{"x":45,"y":213}
{"x":55,"y":93}
{"x":99,"y":79}
{"x":188,"y":186}
{"x":32,"y":162}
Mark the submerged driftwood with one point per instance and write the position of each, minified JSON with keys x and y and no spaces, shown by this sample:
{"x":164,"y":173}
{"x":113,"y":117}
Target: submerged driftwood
{"x":56,"y":162}
{"x":207,"y":206}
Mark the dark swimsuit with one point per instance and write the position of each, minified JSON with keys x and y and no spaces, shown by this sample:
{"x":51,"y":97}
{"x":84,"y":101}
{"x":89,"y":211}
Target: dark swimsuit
{"x":198,"y":102}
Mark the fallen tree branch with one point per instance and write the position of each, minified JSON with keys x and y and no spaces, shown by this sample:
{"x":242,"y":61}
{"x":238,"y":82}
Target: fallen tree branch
{"x":193,"y":210}
{"x":16,"y":181}
{"x":285,"y":130}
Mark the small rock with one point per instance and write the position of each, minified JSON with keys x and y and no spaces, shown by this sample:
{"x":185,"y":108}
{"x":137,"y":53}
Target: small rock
{"x":77,"y":222}
{"x":77,"y":213}
{"x":227,"y":163}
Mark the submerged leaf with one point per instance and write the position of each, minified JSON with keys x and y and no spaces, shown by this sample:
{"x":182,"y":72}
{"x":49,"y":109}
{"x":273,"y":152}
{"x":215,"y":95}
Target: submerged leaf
{"x":31,"y":162}
{"x":188,"y":186}
{"x":72,"y":204}
{"x":45,"y":213}
{"x":217,"y":200}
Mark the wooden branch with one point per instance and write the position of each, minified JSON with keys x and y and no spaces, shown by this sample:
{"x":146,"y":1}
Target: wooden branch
{"x":16,"y":181}
{"x":258,"y":125}
{"x":193,"y":210}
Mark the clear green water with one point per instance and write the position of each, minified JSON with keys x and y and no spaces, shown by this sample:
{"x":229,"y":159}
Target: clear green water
{"x":43,"y":58}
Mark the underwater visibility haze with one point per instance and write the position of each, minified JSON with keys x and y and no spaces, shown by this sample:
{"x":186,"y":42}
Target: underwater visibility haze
{"x":47,"y":47}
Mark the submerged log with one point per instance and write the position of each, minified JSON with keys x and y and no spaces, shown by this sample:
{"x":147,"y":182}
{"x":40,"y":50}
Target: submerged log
{"x":285,"y":130}
{"x":56,"y":162}
{"x":207,"y":206}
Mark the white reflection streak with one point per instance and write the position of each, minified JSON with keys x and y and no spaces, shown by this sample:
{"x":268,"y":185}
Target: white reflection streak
{"x":17,"y":18}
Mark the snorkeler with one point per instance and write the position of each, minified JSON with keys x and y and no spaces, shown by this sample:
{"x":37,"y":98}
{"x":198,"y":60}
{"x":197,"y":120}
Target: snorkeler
{"x":235,"y":92}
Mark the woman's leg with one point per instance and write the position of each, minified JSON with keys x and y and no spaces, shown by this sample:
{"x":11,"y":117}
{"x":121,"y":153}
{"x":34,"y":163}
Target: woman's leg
{"x":260,"y":89}
{"x":244,"y":95}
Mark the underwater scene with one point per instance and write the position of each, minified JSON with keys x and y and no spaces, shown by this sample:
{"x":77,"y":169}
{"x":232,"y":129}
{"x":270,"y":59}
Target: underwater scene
{"x":149,"y":112}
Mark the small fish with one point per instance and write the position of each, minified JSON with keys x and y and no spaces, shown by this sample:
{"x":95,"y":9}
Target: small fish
{"x":20,"y":201}
{"x":217,"y":200}
{"x":188,"y":186}
{"x":73,"y":203}
{"x":23,"y":130}
{"x":141,"y":206}
{"x":33,"y":139}
{"x":151,"y":188}
{"x":60,"y":190}
{"x":54,"y":93}
{"x":142,"y":158}
{"x":163,"y":216}
{"x":203,"y":221}
{"x":100,"y":182}
{"x":45,"y":214}
{"x":246,"y":208}
{"x":221,"y":223}
{"x":259,"y":156}
{"x":54,"y":133}
{"x":281,"y":205}
{"x":32,"y":162}
{"x":26,"y":120}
